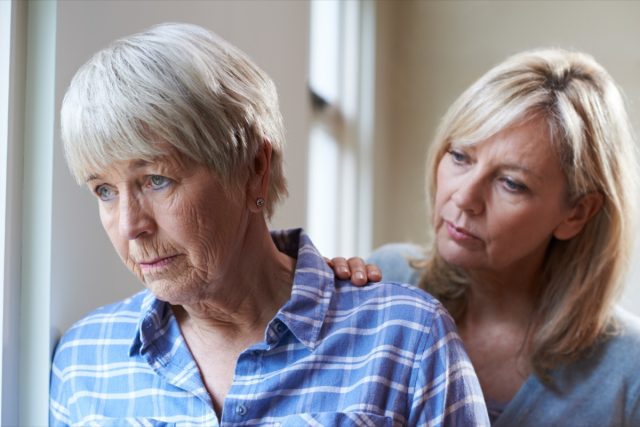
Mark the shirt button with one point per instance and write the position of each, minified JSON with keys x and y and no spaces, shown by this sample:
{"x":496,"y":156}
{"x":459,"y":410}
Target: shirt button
{"x":280,"y":327}
{"x":241,"y":410}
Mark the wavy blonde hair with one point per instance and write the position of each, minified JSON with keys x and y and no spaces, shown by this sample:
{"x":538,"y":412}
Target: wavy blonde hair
{"x":591,"y":133}
{"x":180,"y":84}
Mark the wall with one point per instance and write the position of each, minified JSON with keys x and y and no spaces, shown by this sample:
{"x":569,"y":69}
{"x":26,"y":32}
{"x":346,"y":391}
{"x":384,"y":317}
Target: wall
{"x":430,"y":51}
{"x":86,"y":272}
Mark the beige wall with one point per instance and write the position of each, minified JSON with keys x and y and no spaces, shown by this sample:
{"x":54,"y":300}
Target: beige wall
{"x":430,"y":51}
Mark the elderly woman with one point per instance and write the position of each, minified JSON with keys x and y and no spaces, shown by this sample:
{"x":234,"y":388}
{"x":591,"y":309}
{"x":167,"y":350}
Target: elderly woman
{"x":179,"y":137}
{"x":532,"y":184}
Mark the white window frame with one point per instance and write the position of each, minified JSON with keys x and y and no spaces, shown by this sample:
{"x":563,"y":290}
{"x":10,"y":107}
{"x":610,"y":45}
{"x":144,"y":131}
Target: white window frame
{"x":10,"y":208}
{"x":340,"y":191}
{"x":27,"y":115}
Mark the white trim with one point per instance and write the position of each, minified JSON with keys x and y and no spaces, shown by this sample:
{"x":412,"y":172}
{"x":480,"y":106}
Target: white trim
{"x":366,"y":125}
{"x":347,"y":192}
{"x":12,"y":78}
{"x":39,"y":131}
{"x":5,"y":67}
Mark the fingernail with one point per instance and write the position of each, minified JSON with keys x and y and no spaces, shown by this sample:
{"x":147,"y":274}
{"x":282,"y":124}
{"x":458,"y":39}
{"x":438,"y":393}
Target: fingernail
{"x":343,"y":270}
{"x":359,"y":275}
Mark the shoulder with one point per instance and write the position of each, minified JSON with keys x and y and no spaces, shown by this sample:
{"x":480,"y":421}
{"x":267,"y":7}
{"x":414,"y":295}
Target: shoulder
{"x":124,"y":312}
{"x":384,"y":302}
{"x":397,"y":251}
{"x":607,"y":370}
{"x":113,"y":324}
{"x":93,"y":354}
{"x":614,"y":358}
{"x":629,"y":323}
{"x":422,"y":335}
{"x":623,"y":347}
{"x":394,"y":259}
{"x":397,"y":315}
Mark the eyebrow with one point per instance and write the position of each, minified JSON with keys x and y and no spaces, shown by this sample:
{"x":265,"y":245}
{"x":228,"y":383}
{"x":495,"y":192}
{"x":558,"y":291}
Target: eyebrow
{"x":137,"y":164}
{"x":507,"y":166}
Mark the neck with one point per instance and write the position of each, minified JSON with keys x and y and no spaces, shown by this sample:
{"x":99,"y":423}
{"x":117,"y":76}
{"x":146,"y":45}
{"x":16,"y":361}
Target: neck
{"x":253,"y":288}
{"x":506,"y":297}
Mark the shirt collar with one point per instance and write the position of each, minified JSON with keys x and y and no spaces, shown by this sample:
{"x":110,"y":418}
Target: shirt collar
{"x":313,"y":286}
{"x":154,"y":317}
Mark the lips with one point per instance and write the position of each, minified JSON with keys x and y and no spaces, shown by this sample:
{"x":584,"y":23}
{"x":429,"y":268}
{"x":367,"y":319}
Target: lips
{"x":460,"y":234}
{"x":157,"y":263}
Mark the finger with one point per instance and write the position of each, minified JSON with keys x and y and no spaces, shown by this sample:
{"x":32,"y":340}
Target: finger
{"x":358,"y":271}
{"x":340,"y":268}
{"x":373,"y":273}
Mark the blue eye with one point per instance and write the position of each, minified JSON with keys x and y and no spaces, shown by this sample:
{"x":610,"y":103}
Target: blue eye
{"x":104,"y":193}
{"x":458,"y":157}
{"x":513,"y":186}
{"x":158,"y":182}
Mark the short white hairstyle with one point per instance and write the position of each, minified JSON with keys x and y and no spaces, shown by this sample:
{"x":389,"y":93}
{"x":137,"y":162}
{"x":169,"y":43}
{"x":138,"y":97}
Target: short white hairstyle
{"x":179,"y":84}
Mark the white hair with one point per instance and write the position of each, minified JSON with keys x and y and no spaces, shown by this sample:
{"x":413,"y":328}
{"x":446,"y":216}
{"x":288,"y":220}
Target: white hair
{"x":179,"y":84}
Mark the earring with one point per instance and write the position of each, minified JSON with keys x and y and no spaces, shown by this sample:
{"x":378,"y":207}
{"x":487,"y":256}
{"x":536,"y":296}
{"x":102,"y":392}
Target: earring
{"x":260,"y":202}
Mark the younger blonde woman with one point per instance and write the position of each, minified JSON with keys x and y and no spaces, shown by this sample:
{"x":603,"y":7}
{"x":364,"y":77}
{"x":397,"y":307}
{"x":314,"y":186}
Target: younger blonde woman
{"x":532,"y":186}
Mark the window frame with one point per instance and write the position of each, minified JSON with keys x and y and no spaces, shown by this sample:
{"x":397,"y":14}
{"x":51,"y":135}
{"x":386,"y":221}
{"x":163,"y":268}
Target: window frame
{"x":341,"y":154}
{"x":11,"y":85}
{"x":27,"y":116}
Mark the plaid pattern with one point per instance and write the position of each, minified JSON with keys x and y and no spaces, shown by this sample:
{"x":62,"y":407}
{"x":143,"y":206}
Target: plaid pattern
{"x":334,"y":355}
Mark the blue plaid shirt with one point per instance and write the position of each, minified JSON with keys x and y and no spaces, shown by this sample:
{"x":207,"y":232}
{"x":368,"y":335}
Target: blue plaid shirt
{"x":334,"y":355}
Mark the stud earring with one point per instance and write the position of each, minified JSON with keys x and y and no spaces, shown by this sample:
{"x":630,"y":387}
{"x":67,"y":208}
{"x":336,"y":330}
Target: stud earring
{"x":260,"y":202}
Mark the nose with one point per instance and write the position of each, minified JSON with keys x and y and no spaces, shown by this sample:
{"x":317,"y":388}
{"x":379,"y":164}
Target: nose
{"x":135,"y":220}
{"x":469,"y":196}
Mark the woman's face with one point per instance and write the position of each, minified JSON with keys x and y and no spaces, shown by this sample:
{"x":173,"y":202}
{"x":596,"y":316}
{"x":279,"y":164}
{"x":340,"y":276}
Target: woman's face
{"x":171,"y":223}
{"x":499,"y":202}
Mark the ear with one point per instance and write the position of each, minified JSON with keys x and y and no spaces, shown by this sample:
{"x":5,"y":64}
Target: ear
{"x":258,"y":183}
{"x":579,"y":216}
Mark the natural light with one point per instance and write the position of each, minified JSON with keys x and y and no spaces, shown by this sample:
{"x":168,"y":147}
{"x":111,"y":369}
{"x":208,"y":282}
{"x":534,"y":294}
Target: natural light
{"x":340,"y":78}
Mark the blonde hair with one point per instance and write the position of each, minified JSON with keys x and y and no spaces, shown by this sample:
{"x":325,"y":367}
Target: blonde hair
{"x":180,"y":84}
{"x":590,"y":131}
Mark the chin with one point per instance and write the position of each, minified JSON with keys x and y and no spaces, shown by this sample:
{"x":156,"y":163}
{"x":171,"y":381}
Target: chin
{"x":459,"y":257}
{"x":459,"y":261}
{"x":168,"y":291}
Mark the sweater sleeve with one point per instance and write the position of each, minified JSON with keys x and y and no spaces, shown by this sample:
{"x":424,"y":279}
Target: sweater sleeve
{"x":394,"y":260}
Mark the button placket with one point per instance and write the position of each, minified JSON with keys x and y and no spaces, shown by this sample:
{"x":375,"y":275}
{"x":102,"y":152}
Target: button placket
{"x":239,"y":409}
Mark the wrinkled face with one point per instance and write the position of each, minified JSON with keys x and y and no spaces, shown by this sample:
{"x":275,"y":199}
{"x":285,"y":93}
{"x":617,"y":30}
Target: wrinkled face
{"x":171,"y":223}
{"x":499,"y":202}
